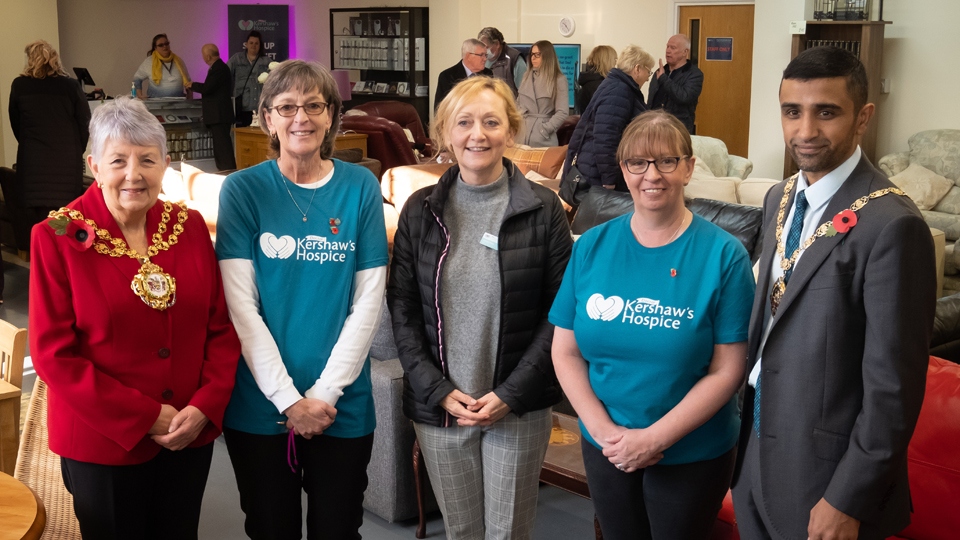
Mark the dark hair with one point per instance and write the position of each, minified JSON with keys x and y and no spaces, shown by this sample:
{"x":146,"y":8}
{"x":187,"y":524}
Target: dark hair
{"x":828,"y":63}
{"x":492,"y":34}
{"x":256,"y":34}
{"x":153,"y":44}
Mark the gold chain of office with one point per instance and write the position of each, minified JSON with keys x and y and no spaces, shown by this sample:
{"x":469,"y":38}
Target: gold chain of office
{"x":155,"y":287}
{"x":786,"y":263}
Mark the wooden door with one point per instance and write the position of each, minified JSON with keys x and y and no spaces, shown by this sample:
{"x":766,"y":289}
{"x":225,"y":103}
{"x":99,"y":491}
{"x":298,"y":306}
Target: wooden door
{"x":724,"y":108}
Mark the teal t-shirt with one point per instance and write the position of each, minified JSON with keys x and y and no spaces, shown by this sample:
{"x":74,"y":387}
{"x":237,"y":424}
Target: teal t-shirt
{"x":304,"y":276}
{"x":646,"y":321}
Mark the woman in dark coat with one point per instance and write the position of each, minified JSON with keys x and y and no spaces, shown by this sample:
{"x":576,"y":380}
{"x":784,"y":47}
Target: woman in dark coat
{"x":602,"y":59}
{"x":597,"y":135}
{"x":49,"y":116}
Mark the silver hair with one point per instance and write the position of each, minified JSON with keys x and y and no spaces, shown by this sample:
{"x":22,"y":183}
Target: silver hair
{"x":125,"y":119}
{"x":686,"y":41}
{"x":469,"y":45}
{"x":633,"y":56}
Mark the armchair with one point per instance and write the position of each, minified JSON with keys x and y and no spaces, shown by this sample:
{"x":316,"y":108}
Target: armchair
{"x":404,"y":114}
{"x":713,"y":152}
{"x":386,"y":140}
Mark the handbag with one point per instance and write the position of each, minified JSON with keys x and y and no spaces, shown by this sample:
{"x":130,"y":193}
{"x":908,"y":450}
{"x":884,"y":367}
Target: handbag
{"x":243,"y":118}
{"x":572,"y":185}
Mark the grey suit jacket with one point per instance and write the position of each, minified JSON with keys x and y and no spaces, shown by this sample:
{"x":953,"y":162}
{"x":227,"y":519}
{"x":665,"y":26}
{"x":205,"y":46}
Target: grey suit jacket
{"x":844,"y":366}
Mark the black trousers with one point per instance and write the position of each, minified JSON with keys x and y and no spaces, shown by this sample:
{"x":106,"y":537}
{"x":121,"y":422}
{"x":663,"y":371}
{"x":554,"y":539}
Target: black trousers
{"x":332,"y":471}
{"x":223,"y":152}
{"x":159,"y":499}
{"x":659,"y":502}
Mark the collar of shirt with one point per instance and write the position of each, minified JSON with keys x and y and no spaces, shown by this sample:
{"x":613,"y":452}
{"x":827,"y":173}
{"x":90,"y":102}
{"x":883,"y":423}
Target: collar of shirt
{"x":819,"y":196}
{"x":466,"y":69}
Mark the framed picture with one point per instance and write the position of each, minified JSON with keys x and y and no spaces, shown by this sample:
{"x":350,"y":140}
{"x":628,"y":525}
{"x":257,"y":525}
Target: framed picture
{"x":393,"y":88}
{"x":381,"y":88}
{"x":403,"y":88}
{"x":361,"y":86}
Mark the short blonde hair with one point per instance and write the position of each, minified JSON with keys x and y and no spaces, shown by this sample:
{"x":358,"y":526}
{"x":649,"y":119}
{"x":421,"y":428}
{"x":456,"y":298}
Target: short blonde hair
{"x":603,"y":58}
{"x":42,"y":61}
{"x":633,"y":56}
{"x":465,"y":92}
{"x":652,"y":132}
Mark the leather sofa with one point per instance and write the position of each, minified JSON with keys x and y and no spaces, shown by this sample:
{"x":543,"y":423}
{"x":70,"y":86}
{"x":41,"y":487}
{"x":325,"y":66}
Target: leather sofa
{"x":402,"y":113}
{"x":386,"y":141}
{"x":932,"y":460}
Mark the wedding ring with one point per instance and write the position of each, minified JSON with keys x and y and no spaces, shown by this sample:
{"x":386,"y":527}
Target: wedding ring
{"x":620,"y":466}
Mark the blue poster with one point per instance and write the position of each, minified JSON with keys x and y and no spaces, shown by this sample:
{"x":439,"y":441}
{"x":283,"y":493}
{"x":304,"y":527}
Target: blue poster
{"x":272,"y":21}
{"x":568,"y":54}
{"x":719,"y":48}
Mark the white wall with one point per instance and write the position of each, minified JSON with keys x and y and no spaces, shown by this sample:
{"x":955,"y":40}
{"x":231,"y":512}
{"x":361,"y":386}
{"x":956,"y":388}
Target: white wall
{"x":24,"y":21}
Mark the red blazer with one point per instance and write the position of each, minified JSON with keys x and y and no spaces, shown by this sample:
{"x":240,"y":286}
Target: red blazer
{"x":109,"y":360}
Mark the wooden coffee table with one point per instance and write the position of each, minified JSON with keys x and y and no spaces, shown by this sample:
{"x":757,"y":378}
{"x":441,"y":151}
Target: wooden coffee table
{"x":21,"y":513}
{"x":563,"y":464}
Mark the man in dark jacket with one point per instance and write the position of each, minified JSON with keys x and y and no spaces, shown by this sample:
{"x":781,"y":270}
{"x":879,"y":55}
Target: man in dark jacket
{"x":504,"y":61}
{"x":474,"y":56}
{"x":217,"y":106}
{"x":676,"y":87}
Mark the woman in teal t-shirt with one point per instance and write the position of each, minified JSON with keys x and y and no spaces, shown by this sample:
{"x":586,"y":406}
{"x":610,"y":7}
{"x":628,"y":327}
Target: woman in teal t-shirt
{"x":650,"y":346}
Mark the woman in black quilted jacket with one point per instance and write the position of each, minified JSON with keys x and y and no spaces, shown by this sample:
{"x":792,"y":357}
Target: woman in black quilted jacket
{"x":477,"y":261}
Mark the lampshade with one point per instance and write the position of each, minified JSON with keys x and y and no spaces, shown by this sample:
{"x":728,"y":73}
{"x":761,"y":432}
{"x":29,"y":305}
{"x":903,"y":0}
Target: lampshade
{"x":342,"y":77}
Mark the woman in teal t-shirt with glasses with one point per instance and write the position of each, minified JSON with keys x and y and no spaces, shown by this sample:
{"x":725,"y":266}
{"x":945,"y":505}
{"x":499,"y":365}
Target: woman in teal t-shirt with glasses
{"x":650,"y":346}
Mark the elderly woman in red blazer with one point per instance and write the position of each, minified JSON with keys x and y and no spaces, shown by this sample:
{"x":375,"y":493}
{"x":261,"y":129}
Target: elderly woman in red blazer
{"x":129,"y":328}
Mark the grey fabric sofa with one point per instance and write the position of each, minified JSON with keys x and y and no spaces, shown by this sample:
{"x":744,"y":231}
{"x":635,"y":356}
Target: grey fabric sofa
{"x":391,"y":492}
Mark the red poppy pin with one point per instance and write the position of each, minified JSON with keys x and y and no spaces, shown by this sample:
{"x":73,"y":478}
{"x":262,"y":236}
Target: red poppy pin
{"x":74,"y":229}
{"x":334,"y":225}
{"x":842,"y":222}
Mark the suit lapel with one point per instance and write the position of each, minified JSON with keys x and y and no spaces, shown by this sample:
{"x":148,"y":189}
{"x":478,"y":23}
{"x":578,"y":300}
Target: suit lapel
{"x":763,"y":271}
{"x":855,"y":186}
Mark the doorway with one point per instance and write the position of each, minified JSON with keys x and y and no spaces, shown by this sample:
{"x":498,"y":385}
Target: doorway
{"x":721,"y":44}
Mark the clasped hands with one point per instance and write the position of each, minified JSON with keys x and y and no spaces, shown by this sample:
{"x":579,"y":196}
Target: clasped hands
{"x":175,"y":430}
{"x":309,"y":417}
{"x":630,"y":449}
{"x":484,"y":411}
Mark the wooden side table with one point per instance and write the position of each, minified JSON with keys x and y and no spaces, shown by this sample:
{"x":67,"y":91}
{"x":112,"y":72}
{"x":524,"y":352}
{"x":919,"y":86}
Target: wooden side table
{"x":253,"y":145}
{"x":21,"y":511}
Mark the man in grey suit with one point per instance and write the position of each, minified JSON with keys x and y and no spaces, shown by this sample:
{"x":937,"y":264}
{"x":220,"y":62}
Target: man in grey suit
{"x":838,"y":346}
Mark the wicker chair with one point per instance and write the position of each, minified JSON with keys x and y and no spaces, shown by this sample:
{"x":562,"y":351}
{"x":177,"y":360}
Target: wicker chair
{"x":39,"y":469}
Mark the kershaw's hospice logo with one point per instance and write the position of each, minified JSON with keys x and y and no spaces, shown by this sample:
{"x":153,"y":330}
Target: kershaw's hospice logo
{"x":641,"y":311}
{"x":310,"y":248}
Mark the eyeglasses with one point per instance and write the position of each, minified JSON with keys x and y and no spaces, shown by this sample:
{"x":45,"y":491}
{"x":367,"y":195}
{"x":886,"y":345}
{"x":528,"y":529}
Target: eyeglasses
{"x":664,"y":164}
{"x":312,"y":109}
{"x":167,"y":44}
{"x":535,"y":55}
{"x":478,"y":54}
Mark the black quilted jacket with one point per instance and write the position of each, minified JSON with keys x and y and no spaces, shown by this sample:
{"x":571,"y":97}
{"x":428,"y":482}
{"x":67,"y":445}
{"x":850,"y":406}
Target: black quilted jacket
{"x":534,"y":246}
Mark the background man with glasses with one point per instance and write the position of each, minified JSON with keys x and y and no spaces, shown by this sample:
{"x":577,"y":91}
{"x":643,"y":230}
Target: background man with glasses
{"x":164,"y":71}
{"x":474,"y":57}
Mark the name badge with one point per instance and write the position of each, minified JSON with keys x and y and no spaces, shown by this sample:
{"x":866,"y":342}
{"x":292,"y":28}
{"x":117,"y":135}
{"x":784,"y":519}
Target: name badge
{"x":490,"y":241}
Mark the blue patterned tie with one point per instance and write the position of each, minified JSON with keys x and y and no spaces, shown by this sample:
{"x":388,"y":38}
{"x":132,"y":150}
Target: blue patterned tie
{"x":796,"y":229}
{"x":793,"y":242}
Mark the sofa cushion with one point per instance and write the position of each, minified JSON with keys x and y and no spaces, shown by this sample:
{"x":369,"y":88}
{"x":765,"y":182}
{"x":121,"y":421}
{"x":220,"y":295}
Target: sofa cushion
{"x":712,"y":153}
{"x":924,"y":186}
{"x":173,"y":187}
{"x":718,"y":189}
{"x":950,"y":203}
{"x":752,"y":191}
{"x":204,"y":193}
{"x":546,"y":161}
{"x":399,"y":183}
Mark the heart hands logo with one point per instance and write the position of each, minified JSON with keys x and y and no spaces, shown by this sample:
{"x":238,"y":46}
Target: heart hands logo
{"x":277,"y":248}
{"x":245,"y":25}
{"x":604,"y":309}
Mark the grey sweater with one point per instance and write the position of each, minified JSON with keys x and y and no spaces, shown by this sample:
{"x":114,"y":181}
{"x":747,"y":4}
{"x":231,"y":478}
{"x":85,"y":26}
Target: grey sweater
{"x":470,"y":283}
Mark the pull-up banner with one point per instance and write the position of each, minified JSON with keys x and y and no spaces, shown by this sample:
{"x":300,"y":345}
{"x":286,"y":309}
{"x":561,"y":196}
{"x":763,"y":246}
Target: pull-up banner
{"x":272,"y":21}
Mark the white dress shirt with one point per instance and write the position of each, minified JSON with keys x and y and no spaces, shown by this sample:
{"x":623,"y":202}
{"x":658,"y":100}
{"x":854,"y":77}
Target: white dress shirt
{"x":819,"y":196}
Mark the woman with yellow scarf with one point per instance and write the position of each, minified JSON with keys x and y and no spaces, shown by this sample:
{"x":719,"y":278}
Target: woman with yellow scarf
{"x":165,"y":73}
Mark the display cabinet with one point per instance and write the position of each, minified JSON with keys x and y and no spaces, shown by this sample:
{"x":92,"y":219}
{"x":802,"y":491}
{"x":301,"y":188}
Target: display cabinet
{"x":387,"y":50}
{"x":863,"y":38}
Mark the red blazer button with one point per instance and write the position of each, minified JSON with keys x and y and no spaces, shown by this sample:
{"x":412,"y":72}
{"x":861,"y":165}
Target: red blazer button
{"x":167,"y":394}
{"x":164,"y":352}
